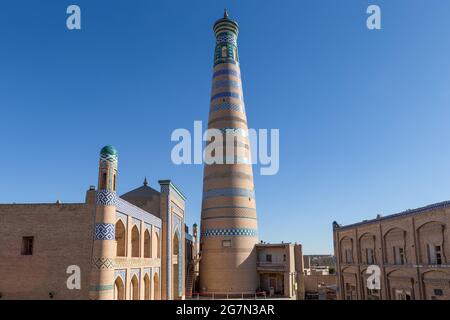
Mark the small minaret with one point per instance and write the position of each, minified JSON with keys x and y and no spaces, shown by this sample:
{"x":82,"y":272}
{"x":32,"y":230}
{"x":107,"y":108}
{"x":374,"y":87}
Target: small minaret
{"x":196,"y":245}
{"x":104,"y":249}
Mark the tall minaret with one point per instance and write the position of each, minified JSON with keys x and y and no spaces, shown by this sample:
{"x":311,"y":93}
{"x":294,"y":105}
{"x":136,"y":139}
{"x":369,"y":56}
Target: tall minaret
{"x":228,"y":221}
{"x":104,"y":249}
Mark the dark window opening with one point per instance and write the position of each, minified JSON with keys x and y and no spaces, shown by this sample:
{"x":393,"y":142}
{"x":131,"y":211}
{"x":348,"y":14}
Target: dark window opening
{"x":103,"y":181}
{"x":27,"y":246}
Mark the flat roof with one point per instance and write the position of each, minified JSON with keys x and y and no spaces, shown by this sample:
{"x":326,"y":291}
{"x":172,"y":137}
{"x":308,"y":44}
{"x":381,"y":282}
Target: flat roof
{"x":273,"y":244}
{"x":409,"y":212}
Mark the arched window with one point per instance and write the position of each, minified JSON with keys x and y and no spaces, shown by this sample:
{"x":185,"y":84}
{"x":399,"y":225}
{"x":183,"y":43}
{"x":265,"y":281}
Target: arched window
{"x":120,"y":239}
{"x":114,"y":182}
{"x":147,"y":246}
{"x":146,"y":287}
{"x":175,"y":244}
{"x":156,"y":246}
{"x":119,"y":289}
{"x":135,"y":242}
{"x":157,"y":295}
{"x":176,"y":266}
{"x":134,"y":288}
{"x":224,"y":51}
{"x":103,"y":180}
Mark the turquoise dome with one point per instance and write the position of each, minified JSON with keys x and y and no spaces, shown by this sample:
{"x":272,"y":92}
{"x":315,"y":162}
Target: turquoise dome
{"x":109,"y":150}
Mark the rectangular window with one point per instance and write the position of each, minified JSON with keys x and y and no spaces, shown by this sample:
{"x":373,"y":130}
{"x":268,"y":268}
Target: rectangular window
{"x":373,"y":294}
{"x":439,"y":292}
{"x":438,"y":252}
{"x":268,"y":258}
{"x":350,"y":292}
{"x":27,"y":246}
{"x":284,"y":257}
{"x":226,"y":243}
{"x":348,"y":256}
{"x":399,"y":255}
{"x":434,"y":254}
{"x":369,"y":256}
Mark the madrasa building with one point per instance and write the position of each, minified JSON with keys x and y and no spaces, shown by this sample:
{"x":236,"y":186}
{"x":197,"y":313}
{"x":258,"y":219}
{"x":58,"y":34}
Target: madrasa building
{"x":122,"y":247}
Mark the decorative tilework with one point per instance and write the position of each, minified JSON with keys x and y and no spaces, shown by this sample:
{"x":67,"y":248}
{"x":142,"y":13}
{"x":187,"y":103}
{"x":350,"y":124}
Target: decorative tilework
{"x":122,"y":217}
{"x":228,"y":217}
{"x":107,"y":287}
{"x":124,"y":262}
{"x":137,"y":222}
{"x":228,"y":106}
{"x":122,"y":273}
{"x":165,"y":188}
{"x":226,"y":72}
{"x":176,"y":195}
{"x":228,"y":175}
{"x":226,"y":83}
{"x":228,"y":118}
{"x":125,"y":208}
{"x":224,"y":25}
{"x":233,"y":232}
{"x":148,"y":227}
{"x":226,"y":38}
{"x":234,"y":131}
{"x":177,"y":228}
{"x":103,"y":263}
{"x":135,"y":272}
{"x":147,"y":271}
{"x":180,"y":268}
{"x":225,"y":60}
{"x":176,"y":209}
{"x":104,"y":231}
{"x":176,"y":225}
{"x":227,"y":94}
{"x":228,"y":192}
{"x":108,"y":159}
{"x":229,"y":207}
{"x":106,"y":198}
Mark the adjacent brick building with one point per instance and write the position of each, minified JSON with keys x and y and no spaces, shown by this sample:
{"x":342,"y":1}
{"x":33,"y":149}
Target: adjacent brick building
{"x":128,"y":247}
{"x":411,"y":249}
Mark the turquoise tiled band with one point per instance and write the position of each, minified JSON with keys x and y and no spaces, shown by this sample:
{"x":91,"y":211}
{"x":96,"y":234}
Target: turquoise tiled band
{"x":226,"y":72}
{"x":228,"y":106}
{"x":229,"y":192}
{"x":233,"y":232}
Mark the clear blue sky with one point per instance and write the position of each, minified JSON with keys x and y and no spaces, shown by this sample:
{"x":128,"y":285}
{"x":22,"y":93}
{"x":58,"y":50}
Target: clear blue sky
{"x":363,"y":115}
